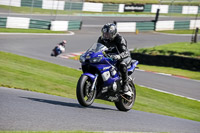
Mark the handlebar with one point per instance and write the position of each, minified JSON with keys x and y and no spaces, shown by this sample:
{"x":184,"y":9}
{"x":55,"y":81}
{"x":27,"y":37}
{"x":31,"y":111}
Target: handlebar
{"x":107,"y":56}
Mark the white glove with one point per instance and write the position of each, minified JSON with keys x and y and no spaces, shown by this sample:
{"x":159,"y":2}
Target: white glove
{"x":115,"y":57}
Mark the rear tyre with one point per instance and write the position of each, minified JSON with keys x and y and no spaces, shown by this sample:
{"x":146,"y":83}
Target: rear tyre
{"x":126,"y":102}
{"x":84,"y":94}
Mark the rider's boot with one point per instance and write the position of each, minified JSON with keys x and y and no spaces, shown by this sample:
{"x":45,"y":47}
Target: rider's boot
{"x":124,"y":72}
{"x":125,"y":87}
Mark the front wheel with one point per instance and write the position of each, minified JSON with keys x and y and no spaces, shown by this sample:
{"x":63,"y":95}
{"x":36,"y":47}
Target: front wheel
{"x":83,"y":91}
{"x":126,"y":102}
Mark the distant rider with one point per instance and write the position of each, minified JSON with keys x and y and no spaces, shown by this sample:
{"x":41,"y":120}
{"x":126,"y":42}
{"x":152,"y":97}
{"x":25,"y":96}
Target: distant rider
{"x":118,"y":45}
{"x":63,"y":43}
{"x":60,"y":48}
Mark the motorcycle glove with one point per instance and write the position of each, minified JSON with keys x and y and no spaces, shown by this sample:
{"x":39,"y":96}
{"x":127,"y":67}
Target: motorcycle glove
{"x":115,"y":57}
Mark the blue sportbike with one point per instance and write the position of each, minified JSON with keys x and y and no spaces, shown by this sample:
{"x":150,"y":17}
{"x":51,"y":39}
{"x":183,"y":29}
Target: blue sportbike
{"x":102,"y":80}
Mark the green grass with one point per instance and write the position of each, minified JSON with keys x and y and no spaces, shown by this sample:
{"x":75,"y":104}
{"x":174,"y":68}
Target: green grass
{"x":14,"y":30}
{"x":29,"y":74}
{"x":53,"y":13}
{"x":48,"y":132}
{"x":170,"y":70}
{"x":35,"y":75}
{"x":179,"y":31}
{"x":27,"y":10}
{"x":179,"y":48}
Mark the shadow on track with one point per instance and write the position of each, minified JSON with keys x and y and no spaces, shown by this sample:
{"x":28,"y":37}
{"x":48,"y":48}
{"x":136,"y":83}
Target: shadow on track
{"x":74,"y":105}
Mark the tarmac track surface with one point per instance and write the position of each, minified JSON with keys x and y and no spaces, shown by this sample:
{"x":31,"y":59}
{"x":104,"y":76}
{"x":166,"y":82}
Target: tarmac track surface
{"x":23,"y":110}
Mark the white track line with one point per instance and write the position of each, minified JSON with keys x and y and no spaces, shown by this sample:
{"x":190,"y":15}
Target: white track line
{"x":170,"y":93}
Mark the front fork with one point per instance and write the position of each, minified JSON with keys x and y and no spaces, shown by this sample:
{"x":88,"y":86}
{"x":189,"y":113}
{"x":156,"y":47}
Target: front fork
{"x":95,"y":80}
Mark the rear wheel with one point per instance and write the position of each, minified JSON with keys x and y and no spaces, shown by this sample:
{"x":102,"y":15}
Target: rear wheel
{"x":83,"y":91}
{"x":126,"y":102}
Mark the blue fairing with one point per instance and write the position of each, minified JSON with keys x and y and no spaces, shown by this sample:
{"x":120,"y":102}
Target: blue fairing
{"x":58,"y":50}
{"x":92,"y":77}
{"x":96,"y":61}
{"x":103,"y":68}
{"x":133,"y":66}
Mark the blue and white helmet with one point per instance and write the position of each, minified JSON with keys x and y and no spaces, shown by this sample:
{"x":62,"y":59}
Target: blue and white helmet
{"x":109,"y":31}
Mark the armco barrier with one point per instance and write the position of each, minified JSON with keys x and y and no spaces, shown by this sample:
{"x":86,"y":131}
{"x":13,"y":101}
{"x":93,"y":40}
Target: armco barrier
{"x":190,"y":10}
{"x":110,"y":7}
{"x":145,"y":26}
{"x":3,"y":22}
{"x":27,"y":23}
{"x":73,"y":6}
{"x":194,"y":24}
{"x":133,"y":26}
{"x":92,"y":7}
{"x":171,"y":25}
{"x":98,"y":7}
{"x":53,"y":4}
{"x":31,"y":3}
{"x":169,"y":61}
{"x":147,"y":8}
{"x":126,"y":26}
{"x":16,"y":3}
{"x":164,"y":25}
{"x":175,"y":9}
{"x":18,"y":22}
{"x":59,"y":25}
{"x":157,"y":26}
{"x":182,"y":25}
{"x":39,"y":24}
{"x":163,"y":8}
{"x":74,"y":25}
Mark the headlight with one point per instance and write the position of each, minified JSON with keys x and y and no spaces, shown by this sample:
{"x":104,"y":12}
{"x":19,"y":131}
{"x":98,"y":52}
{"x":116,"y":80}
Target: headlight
{"x":82,"y":59}
{"x":96,"y":59}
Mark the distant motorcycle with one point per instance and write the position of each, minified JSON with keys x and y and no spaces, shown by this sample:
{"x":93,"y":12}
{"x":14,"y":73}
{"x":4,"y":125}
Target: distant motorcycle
{"x":102,"y":80}
{"x":58,"y":50}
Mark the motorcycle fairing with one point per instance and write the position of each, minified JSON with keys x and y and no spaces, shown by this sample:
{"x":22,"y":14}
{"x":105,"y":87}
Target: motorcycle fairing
{"x":92,"y":77}
{"x":132,"y":67}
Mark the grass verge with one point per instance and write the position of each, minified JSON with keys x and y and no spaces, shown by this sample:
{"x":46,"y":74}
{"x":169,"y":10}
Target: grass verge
{"x":179,"y":48}
{"x":170,"y":70}
{"x":35,"y":75}
{"x":13,"y":30}
{"x":178,"y":31}
{"x":28,"y":10}
{"x":54,"y":13}
{"x":48,"y":132}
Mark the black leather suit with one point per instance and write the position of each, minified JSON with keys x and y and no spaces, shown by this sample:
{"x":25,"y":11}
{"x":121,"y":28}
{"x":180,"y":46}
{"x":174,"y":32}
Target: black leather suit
{"x":119,"y":47}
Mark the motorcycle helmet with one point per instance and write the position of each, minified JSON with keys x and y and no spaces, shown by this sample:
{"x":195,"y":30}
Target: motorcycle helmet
{"x":109,"y":31}
{"x":64,"y":41}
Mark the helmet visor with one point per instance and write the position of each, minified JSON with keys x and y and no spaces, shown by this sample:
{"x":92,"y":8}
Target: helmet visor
{"x":107,"y":35}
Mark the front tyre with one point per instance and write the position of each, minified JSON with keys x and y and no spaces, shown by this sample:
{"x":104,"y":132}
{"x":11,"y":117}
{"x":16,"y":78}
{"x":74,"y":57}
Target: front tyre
{"x":83,"y":91}
{"x":126,"y":102}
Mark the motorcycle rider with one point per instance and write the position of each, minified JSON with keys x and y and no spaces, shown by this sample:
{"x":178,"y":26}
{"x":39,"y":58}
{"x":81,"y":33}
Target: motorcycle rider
{"x":118,"y":50}
{"x":63,"y":43}
{"x":59,"y":48}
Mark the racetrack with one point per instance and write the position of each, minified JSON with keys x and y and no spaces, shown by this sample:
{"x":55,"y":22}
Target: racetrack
{"x":40,"y":46}
{"x":23,"y":110}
